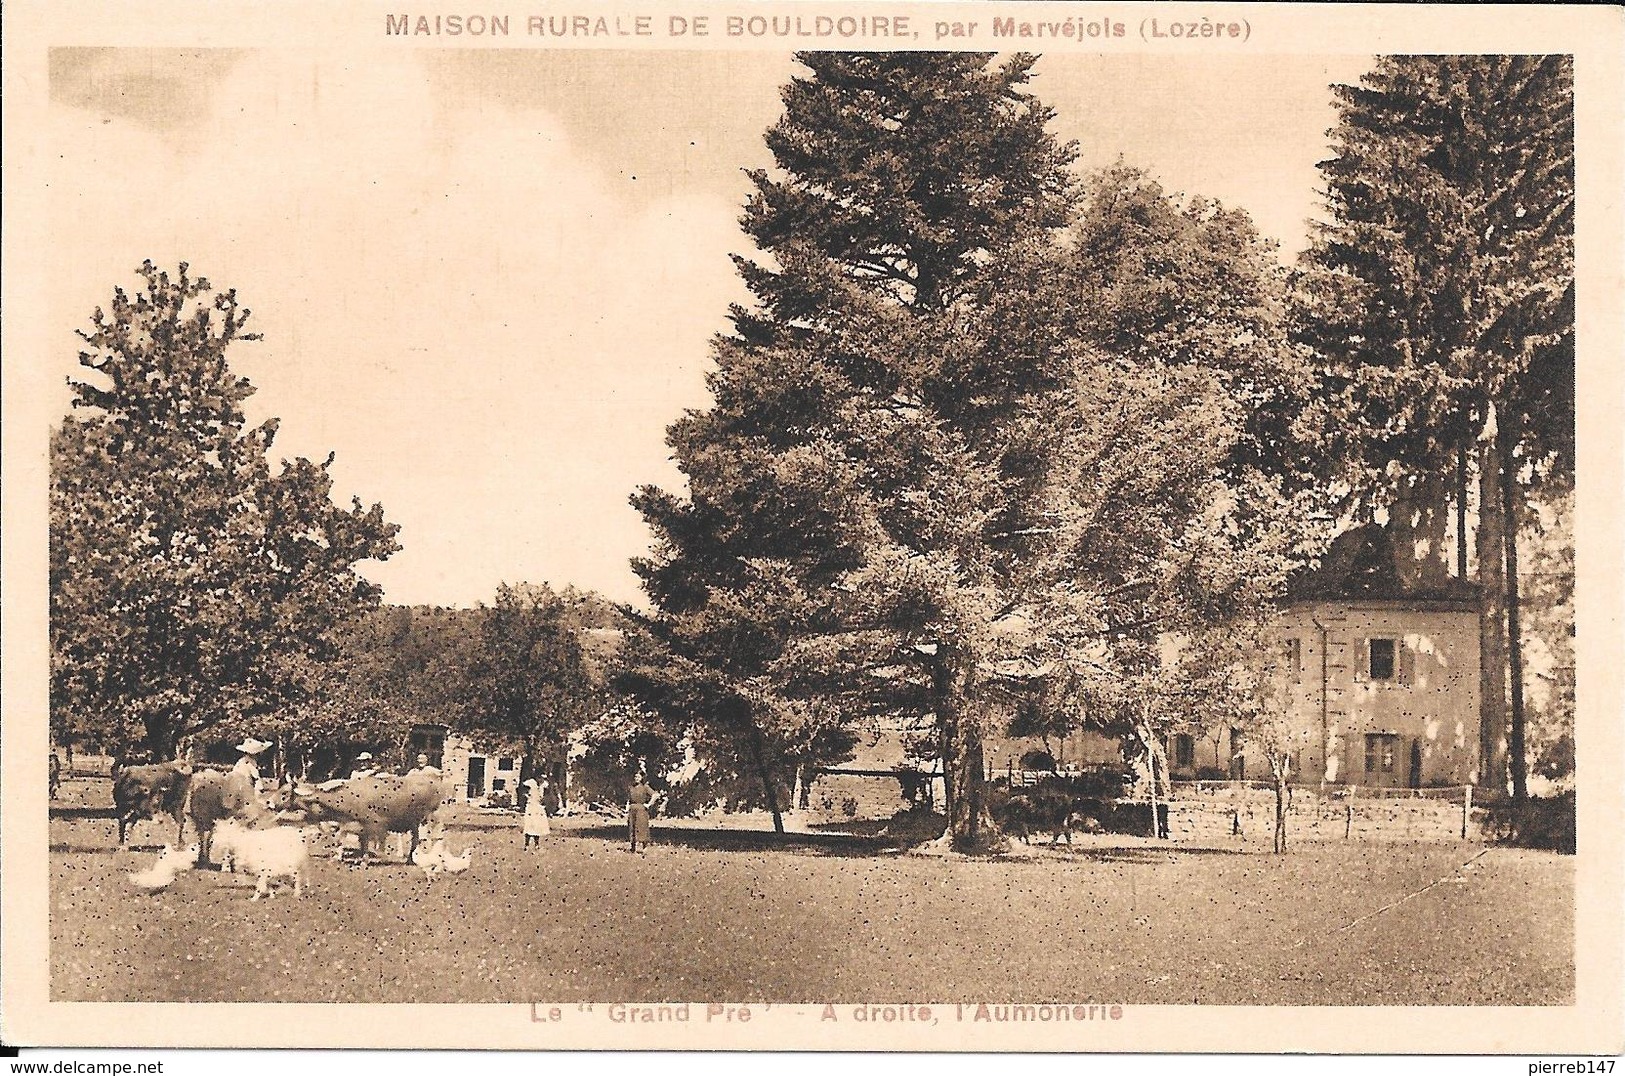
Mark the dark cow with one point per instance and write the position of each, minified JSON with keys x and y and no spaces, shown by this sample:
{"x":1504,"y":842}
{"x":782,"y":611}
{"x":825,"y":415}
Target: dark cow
{"x":148,"y":791}
{"x":1028,"y":812}
{"x":378,"y":805}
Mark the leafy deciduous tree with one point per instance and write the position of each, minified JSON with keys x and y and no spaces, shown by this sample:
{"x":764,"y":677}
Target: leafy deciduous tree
{"x":527,"y":679}
{"x":190,"y":581}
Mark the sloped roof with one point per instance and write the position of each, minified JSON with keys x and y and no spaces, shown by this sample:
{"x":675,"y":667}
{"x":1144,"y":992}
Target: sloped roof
{"x":1362,"y":564}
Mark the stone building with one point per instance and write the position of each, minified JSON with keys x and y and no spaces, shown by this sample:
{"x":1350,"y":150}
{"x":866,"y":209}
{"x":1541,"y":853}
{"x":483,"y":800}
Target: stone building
{"x":1382,"y":674}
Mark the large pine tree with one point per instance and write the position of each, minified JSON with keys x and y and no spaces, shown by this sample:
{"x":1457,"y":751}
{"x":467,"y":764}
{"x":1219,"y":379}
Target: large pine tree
{"x":1440,"y":295}
{"x":922,"y":489}
{"x":867,"y":434}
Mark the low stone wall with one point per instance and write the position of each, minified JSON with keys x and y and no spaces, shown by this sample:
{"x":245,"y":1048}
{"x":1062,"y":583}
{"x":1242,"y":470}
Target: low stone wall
{"x":837,"y":796}
{"x":1207,"y":812}
{"x":1317,"y":817}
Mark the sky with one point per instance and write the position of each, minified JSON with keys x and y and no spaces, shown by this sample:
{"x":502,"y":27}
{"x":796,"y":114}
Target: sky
{"x":488,"y":279}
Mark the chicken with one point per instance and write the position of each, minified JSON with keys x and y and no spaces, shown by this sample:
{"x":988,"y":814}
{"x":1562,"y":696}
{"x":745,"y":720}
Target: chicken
{"x":434,"y":859}
{"x":456,"y":864}
{"x":177,"y":859}
{"x":157,"y":877}
{"x":430,"y":857}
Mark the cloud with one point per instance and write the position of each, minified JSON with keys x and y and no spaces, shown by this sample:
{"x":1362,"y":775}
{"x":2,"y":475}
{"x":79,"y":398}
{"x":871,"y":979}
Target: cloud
{"x":455,"y":299}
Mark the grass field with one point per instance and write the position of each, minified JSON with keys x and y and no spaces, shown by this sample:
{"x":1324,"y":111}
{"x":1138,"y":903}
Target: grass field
{"x":734,"y":914}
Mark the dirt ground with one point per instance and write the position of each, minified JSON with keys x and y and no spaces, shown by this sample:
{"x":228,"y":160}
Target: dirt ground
{"x":735,"y":913}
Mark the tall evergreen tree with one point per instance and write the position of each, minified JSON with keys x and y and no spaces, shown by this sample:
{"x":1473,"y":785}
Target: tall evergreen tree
{"x":191,"y":584}
{"x":1440,"y":294}
{"x":921,"y":491}
{"x":845,"y":482}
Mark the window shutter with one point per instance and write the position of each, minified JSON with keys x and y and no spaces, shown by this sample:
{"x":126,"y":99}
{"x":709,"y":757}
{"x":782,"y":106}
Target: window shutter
{"x":1362,"y":662}
{"x":1406,"y":660}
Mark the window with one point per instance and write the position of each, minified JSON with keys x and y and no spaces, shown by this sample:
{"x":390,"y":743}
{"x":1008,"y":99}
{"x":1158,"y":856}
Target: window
{"x":1381,"y":659}
{"x":1380,"y":749}
{"x":1292,"y":653}
{"x":1184,"y":751}
{"x":504,"y":763}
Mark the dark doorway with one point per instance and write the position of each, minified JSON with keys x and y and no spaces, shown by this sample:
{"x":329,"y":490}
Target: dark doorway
{"x":429,"y":740}
{"x":1416,"y":764}
{"x":476,"y":777}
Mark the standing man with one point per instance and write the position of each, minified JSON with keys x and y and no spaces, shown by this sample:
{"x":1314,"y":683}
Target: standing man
{"x":243,"y":782}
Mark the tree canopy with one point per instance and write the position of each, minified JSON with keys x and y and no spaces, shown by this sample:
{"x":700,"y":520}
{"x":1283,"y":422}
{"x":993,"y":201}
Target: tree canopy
{"x":190,"y":580}
{"x":527,"y":680}
{"x":922,"y":490}
{"x":1439,"y":295}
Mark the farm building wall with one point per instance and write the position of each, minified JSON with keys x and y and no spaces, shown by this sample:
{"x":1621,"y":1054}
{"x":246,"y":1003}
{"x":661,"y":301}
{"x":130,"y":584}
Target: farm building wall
{"x":1382,"y":694}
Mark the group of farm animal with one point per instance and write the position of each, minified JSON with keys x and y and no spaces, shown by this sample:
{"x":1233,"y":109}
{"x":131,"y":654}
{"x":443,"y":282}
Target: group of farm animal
{"x":271,"y":845}
{"x":1028,"y":812}
{"x":433,"y":858}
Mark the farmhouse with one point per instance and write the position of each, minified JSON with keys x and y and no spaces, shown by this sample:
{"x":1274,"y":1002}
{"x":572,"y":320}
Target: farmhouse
{"x":1381,"y":679}
{"x":473,"y":775}
{"x":1381,"y":671}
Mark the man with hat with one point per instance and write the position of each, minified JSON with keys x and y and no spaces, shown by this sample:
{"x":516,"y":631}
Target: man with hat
{"x":248,"y":764}
{"x":243,"y":782}
{"x":363,"y":766}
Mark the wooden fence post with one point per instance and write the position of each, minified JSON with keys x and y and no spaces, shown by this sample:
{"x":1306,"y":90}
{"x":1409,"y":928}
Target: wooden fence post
{"x":1348,"y":820}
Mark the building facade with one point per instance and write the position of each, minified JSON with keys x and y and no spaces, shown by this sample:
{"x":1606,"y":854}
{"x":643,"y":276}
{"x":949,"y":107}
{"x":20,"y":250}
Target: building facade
{"x":1381,"y":674}
{"x":474,"y":776}
{"x":1381,"y":682}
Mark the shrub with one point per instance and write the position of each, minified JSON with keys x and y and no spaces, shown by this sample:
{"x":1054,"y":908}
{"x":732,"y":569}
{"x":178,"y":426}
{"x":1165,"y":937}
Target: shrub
{"x":1547,"y":823}
{"x":916,"y":825}
{"x":1039,"y":760}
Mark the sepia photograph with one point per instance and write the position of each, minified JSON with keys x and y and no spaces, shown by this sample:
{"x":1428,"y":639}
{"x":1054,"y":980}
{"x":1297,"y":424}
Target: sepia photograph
{"x":920,"y":527}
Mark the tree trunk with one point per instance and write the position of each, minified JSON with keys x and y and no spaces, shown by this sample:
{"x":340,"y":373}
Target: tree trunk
{"x":1420,"y":519}
{"x":561,"y":784}
{"x":970,"y":825}
{"x":1511,"y":504}
{"x":1148,"y":740}
{"x":1492,"y":679}
{"x":1461,"y":510}
{"x":1278,"y":771}
{"x":760,"y":757}
{"x":1151,"y":764}
{"x":163,"y":738}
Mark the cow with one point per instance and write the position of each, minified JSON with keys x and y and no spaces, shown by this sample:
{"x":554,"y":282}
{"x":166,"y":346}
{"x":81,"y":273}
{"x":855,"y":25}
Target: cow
{"x":377,"y":805}
{"x":215,"y":796}
{"x":148,"y":791}
{"x":1046,"y":810}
